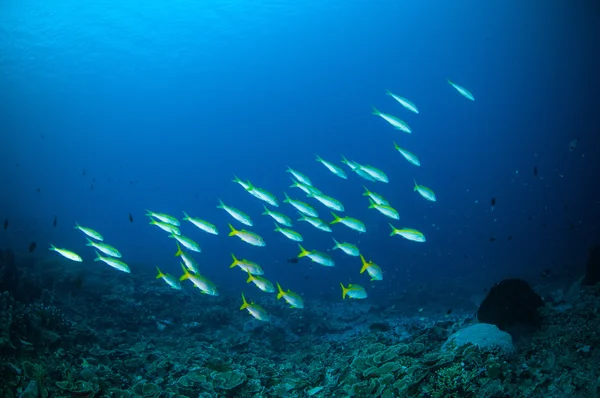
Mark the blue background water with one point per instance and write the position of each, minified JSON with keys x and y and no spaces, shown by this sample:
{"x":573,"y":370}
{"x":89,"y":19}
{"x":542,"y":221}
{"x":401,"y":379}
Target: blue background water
{"x":159,"y":105}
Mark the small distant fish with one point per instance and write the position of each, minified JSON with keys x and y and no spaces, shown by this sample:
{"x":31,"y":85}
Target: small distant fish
{"x":290,"y":234}
{"x":372,"y":269}
{"x":353,"y":291}
{"x":130,"y":216}
{"x":262,"y":283}
{"x":397,"y":123}
{"x":280,"y":218}
{"x":350,"y":222}
{"x":493,"y":203}
{"x":255,"y":310}
{"x":403,"y":101}
{"x":55,"y":222}
{"x":535,"y":171}
{"x":104,"y":248}
{"x":510,"y":237}
{"x":38,"y":190}
{"x":315,"y":222}
{"x":6,"y":223}
{"x":492,"y":239}
{"x":293,"y":260}
{"x":386,"y":210}
{"x":89,"y":232}
{"x":172,"y":229}
{"x":374,"y":173}
{"x":425,"y":192}
{"x":317,"y":257}
{"x":186,"y":242}
{"x":32,"y":247}
{"x":299,"y":176}
{"x":247,"y":236}
{"x":205,"y":285}
{"x":113,"y":262}
{"x":188,"y":260}
{"x":169,"y":279}
{"x":411,"y":157}
{"x":378,"y":199}
{"x":573,"y":144}
{"x":338,"y":171}
{"x":308,"y":189}
{"x":263,"y":195}
{"x":301,"y":206}
{"x":347,"y":248}
{"x":328,"y":201}
{"x":246,"y":266}
{"x":66,"y":253}
{"x":235,"y":213}
{"x":164,"y":218}
{"x":408,"y":233}
{"x":201,"y":224}
{"x":463,"y":91}
{"x":293,"y":299}
{"x":357,"y":168}
{"x":449,"y":311}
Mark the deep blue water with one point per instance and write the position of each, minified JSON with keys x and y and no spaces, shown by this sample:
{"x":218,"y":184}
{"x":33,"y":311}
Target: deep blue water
{"x":158,"y":105}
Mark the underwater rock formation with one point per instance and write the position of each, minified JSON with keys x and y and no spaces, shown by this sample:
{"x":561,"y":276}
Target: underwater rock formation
{"x":592,"y":269}
{"x":511,"y":303}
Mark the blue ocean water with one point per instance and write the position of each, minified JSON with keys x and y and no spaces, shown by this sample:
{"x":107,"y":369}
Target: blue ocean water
{"x":108,"y":108}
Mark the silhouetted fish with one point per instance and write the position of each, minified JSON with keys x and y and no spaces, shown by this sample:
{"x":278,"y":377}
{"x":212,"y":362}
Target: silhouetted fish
{"x":38,"y":190}
{"x":130,"y":218}
{"x":292,"y":260}
{"x":492,"y":239}
{"x":535,"y":171}
{"x":55,"y":221}
{"x":6,"y":223}
{"x":32,"y":247}
{"x":493,"y":202}
{"x":509,"y":237}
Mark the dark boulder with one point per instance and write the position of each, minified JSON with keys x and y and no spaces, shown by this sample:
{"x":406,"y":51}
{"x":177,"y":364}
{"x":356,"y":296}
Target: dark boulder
{"x":511,"y":305}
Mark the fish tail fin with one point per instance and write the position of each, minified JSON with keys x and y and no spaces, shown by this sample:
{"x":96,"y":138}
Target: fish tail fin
{"x":233,"y":230}
{"x":236,"y":179}
{"x":375,"y":111}
{"x":336,"y":220}
{"x":186,"y":273}
{"x":98,"y":257}
{"x":89,"y":242}
{"x":52,"y":248}
{"x":266,"y":212}
{"x":394,"y":229}
{"x":160,"y":274}
{"x":277,"y":227}
{"x":337,"y":244}
{"x":416,"y":185}
{"x":365,"y":264}
{"x":148,"y":213}
{"x":367,"y":192}
{"x":396,"y":145}
{"x":344,"y":291}
{"x":77,"y":226}
{"x":250,"y":186}
{"x":186,"y":216}
{"x":281,"y":292}
{"x":371,"y":204}
{"x":179,"y":252}
{"x":318,"y":158}
{"x":244,"y":303}
{"x":287,"y":198}
{"x":250,"y":278}
{"x":221,"y":205}
{"x":235,"y":261}
{"x":303,"y":252}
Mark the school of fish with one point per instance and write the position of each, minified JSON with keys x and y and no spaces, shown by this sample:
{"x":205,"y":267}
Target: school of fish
{"x":283,"y":224}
